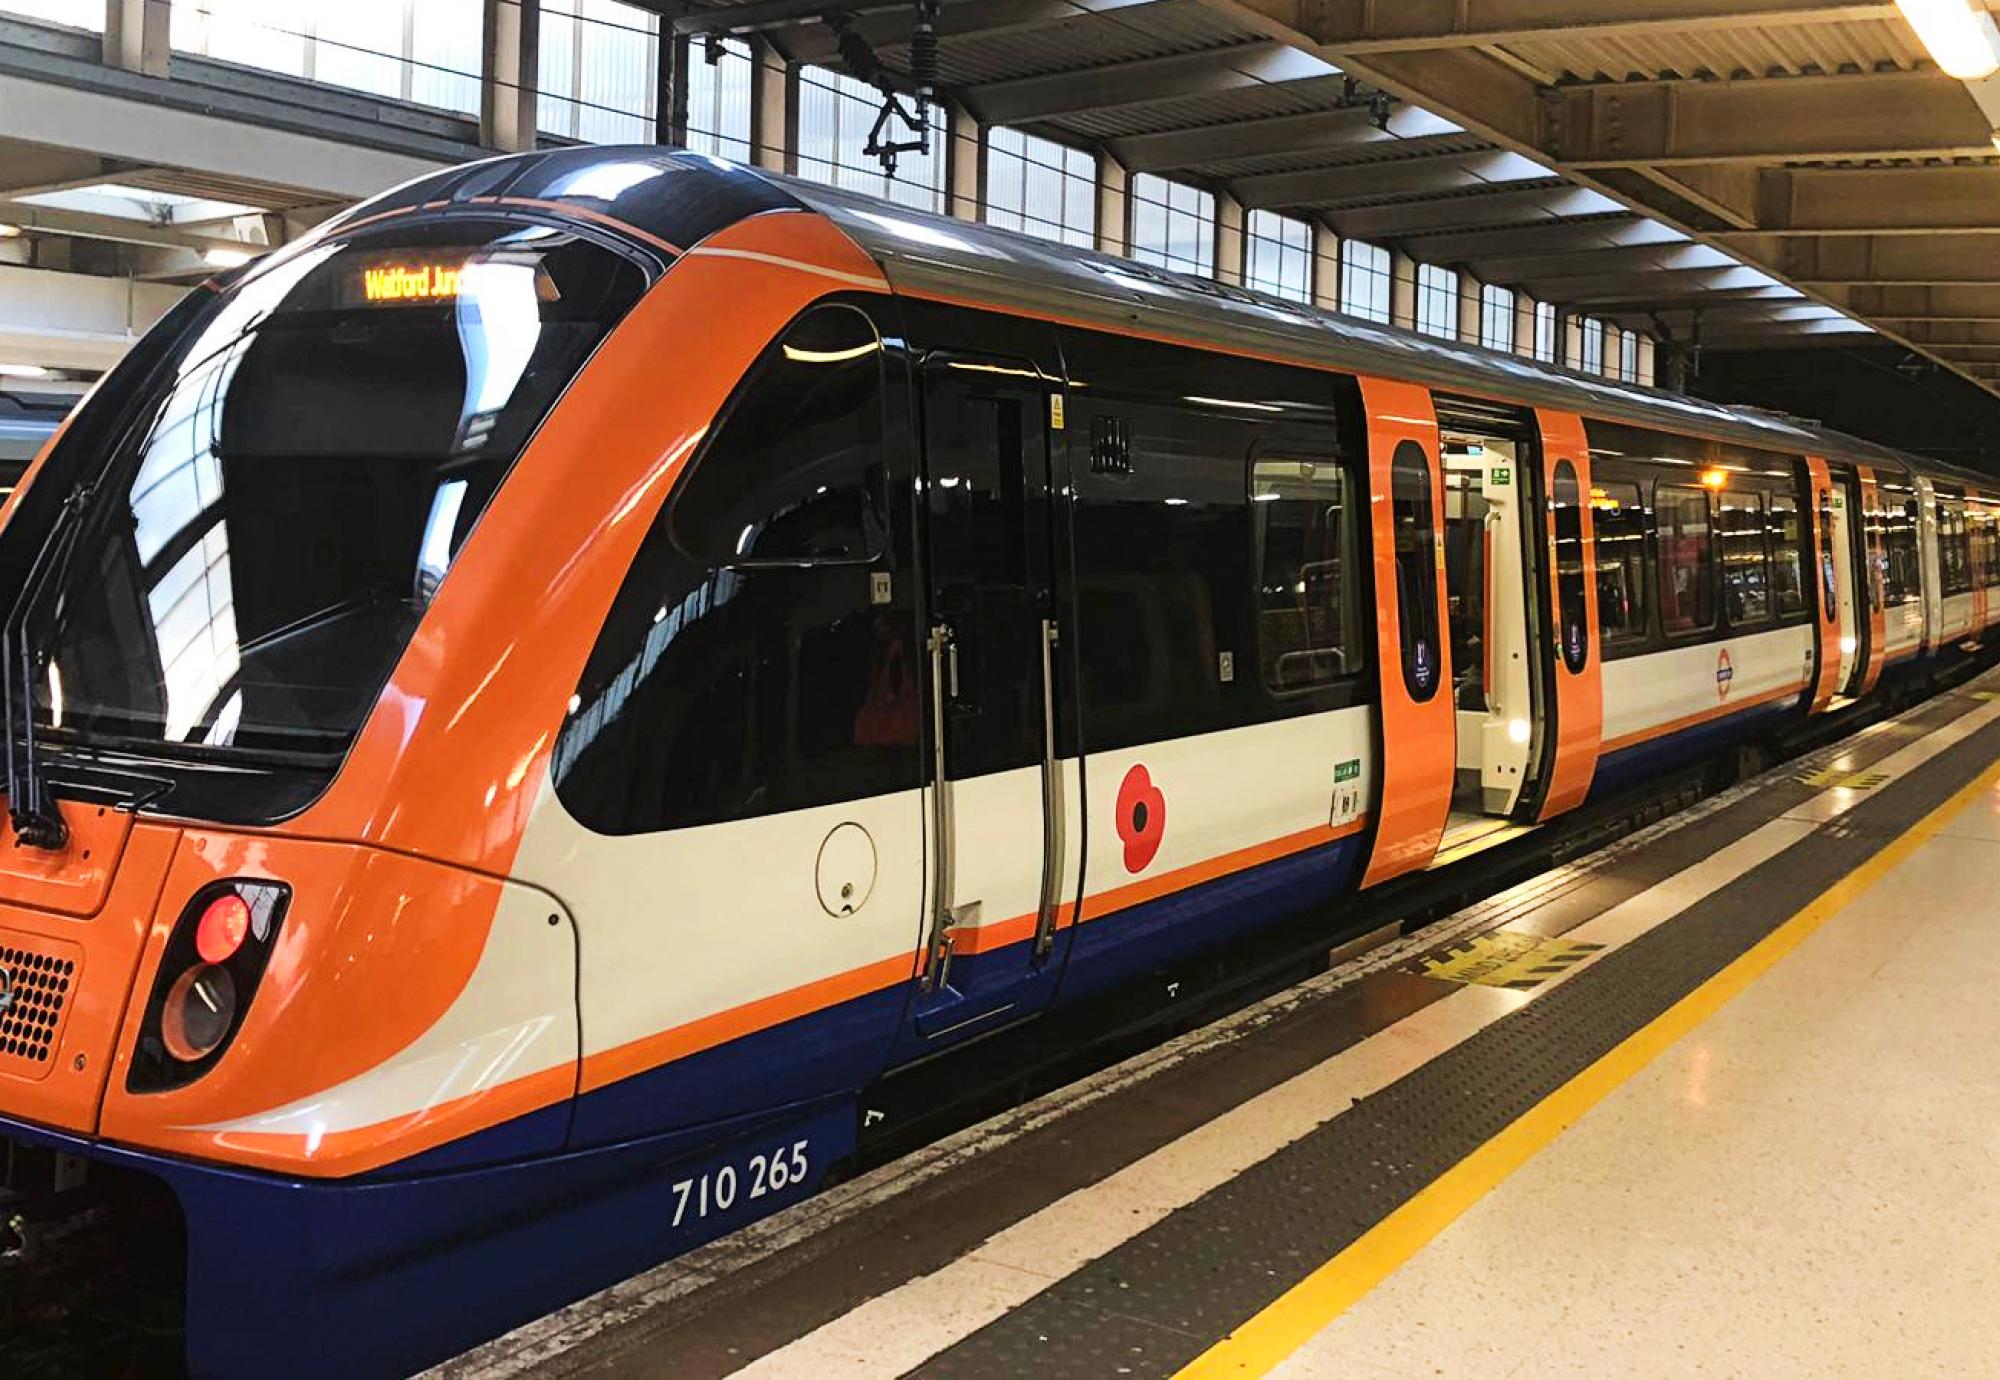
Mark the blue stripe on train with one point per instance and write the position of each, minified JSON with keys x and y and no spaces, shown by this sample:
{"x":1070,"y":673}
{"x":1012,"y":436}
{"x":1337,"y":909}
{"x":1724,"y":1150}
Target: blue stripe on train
{"x":1628,"y":767}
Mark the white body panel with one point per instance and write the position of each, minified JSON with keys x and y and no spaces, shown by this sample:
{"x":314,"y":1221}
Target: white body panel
{"x":1648,"y":696}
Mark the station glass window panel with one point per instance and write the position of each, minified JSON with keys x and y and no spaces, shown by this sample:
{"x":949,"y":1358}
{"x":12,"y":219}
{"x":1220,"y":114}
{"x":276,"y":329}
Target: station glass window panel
{"x":834,"y":116}
{"x":1591,"y":359}
{"x":1628,"y":356}
{"x":423,"y":51}
{"x":1496,"y":318}
{"x":1788,"y":592}
{"x":1437,"y":301}
{"x":1548,"y":332}
{"x":719,"y":98}
{"x":1365,"y":275}
{"x":599,"y":71}
{"x":1173,"y":225}
{"x":1308,"y":614}
{"x":735,"y":677}
{"x":1746,"y":561}
{"x":1618,"y":519}
{"x":78,"y":14}
{"x":1040,"y":187}
{"x":1687,"y":558}
{"x":1414,"y":515}
{"x":1280,"y":255}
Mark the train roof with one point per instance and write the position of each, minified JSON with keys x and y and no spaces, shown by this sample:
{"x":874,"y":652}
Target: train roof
{"x":675,"y":199}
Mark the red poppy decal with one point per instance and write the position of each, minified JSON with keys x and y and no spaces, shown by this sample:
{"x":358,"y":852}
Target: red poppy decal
{"x":1142,"y":818}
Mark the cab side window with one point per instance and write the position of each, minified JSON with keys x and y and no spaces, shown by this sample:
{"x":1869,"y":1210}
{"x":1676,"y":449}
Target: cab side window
{"x":755,"y":661}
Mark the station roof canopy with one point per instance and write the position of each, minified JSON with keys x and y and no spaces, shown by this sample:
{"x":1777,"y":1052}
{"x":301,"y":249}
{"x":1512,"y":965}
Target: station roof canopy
{"x":1746,"y":172}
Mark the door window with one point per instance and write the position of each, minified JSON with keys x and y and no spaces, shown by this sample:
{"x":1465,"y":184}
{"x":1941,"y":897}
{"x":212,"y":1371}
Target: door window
{"x":1566,"y":499}
{"x":987,"y":458}
{"x":1788,"y":592}
{"x":1416,"y":568}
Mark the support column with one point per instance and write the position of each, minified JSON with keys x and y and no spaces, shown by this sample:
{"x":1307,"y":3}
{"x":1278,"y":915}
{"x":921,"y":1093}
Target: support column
{"x":1648,"y":360}
{"x":1230,"y":242}
{"x":670,"y":125}
{"x":1325,"y":267}
{"x":1402,"y":290}
{"x":1471,"y":308}
{"x":774,"y":125}
{"x":137,"y":37}
{"x":1113,"y":206}
{"x":510,"y":80}
{"x":965,"y":164}
{"x":1524,"y":325}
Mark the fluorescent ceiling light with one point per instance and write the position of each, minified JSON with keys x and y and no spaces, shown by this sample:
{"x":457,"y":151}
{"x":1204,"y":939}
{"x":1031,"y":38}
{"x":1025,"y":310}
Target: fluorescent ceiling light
{"x":8,"y":232}
{"x":23,"y":371}
{"x":1963,"y":41}
{"x":227,"y":258}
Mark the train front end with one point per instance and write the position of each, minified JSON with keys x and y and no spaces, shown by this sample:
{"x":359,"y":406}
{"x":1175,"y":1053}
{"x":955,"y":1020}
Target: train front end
{"x":304,"y":592}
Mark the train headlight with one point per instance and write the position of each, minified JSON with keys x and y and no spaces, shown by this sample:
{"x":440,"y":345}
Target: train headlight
{"x":208,"y":974}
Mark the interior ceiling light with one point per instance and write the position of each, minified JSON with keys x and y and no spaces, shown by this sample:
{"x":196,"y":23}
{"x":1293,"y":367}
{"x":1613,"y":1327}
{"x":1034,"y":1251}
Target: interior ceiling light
{"x":1962,"y":40}
{"x":227,"y":258}
{"x":8,"y":232}
{"x":23,"y":371}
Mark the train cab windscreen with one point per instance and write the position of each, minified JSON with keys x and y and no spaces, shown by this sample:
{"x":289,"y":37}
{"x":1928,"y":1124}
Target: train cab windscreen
{"x":293,"y":484}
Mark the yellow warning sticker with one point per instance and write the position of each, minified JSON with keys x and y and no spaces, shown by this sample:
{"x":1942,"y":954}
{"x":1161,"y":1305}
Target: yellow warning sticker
{"x":1851,"y":780}
{"x":1503,"y":959}
{"x":1986,"y":694}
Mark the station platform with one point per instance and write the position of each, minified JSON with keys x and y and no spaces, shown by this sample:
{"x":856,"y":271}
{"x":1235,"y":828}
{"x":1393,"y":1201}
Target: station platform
{"x":1716,"y":1099}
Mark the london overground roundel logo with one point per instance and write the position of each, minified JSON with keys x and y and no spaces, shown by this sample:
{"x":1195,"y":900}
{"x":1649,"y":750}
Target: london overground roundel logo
{"x":1142,"y":818}
{"x":1724,"y":675}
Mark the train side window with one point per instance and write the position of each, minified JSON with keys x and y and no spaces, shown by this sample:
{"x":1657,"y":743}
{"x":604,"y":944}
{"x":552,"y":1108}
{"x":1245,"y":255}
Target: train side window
{"x":1306,"y":574}
{"x":1788,"y":593}
{"x":794,"y":474}
{"x":1618,"y":515}
{"x":1416,"y":567}
{"x":1903,"y":574}
{"x":1687,"y":559}
{"x":1746,"y":559}
{"x":748,"y":665}
{"x":1954,"y":547}
{"x":1566,"y":496}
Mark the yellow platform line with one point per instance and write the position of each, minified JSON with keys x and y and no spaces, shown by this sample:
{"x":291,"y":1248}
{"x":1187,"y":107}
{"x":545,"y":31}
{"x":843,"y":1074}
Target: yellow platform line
{"x":1306,"y":1309}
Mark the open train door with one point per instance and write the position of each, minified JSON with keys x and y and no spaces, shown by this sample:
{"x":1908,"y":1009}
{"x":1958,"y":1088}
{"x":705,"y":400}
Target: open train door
{"x":1413,"y":657}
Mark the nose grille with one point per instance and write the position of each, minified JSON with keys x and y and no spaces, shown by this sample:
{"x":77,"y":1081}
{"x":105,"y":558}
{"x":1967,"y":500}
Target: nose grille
{"x":40,"y":974}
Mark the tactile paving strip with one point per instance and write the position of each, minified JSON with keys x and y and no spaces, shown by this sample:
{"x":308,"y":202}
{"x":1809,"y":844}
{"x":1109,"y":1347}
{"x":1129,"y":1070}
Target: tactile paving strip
{"x":1157,"y":1302}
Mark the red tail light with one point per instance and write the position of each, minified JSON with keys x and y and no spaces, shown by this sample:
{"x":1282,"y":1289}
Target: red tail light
{"x":210,"y":971}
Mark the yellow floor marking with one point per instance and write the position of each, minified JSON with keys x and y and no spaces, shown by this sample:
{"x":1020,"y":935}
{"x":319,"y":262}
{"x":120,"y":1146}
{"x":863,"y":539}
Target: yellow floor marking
{"x":1305,"y":1310}
{"x":1503,"y":958}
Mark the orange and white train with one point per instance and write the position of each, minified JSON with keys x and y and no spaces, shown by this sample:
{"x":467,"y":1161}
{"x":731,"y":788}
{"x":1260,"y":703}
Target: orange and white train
{"x":523,"y":705}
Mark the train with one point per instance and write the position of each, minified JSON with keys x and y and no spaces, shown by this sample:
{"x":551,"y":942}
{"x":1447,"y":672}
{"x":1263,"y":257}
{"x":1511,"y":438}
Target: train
{"x":523,"y":705}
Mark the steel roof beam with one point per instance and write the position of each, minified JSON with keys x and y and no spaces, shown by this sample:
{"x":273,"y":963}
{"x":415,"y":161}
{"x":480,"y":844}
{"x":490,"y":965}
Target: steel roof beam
{"x":1858,"y":259}
{"x":886,"y":27}
{"x":1894,"y":302}
{"x":1952,"y":199}
{"x":1577,"y":236}
{"x":1657,"y":285}
{"x":1118,"y":85}
{"x":1330,"y":132}
{"x":1515,"y":207}
{"x":1400,"y":177}
{"x":1362,"y":26}
{"x":1572,"y":263}
{"x":1795,"y":119}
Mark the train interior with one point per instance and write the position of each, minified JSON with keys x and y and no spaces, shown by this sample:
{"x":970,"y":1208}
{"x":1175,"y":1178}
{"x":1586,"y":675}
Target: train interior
{"x":1494,"y":623}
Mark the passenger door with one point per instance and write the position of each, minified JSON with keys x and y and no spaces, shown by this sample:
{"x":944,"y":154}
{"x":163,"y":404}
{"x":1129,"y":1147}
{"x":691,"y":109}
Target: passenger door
{"x":1002,"y":800}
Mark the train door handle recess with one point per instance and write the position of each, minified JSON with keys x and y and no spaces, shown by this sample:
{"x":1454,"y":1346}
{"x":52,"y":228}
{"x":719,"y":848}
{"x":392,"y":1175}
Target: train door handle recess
{"x":1052,"y":800}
